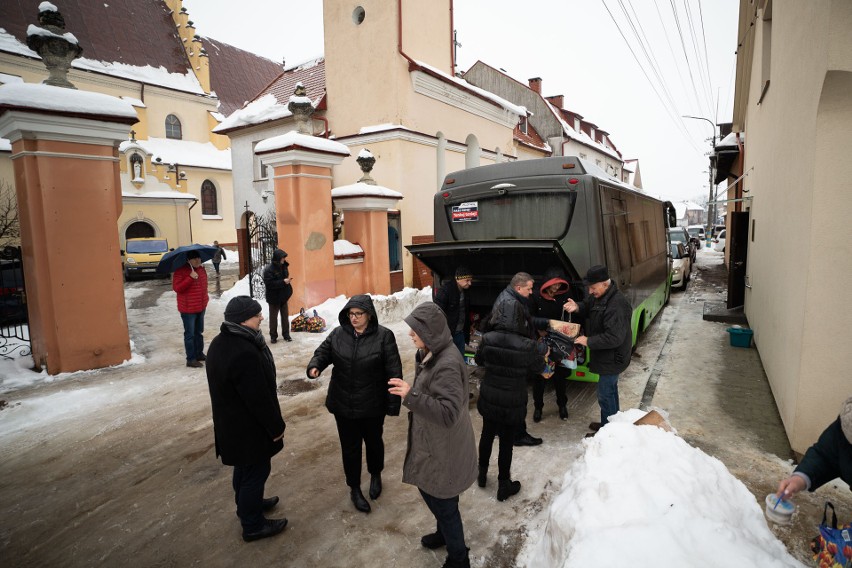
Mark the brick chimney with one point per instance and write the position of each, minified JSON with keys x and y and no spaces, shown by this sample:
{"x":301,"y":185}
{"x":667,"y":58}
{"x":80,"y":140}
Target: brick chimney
{"x":535,"y":84}
{"x":557,"y":100}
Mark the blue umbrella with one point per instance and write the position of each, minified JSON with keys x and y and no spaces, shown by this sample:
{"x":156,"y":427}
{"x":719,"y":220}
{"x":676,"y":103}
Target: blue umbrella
{"x":173,"y":260}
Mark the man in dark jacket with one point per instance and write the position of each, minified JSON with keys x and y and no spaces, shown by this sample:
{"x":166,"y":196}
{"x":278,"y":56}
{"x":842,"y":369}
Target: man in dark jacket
{"x":247,"y":423}
{"x":455,"y":303}
{"x":509,"y":354}
{"x":607,"y":315}
{"x":829,"y":458}
{"x":276,"y":278}
{"x":365,"y":358}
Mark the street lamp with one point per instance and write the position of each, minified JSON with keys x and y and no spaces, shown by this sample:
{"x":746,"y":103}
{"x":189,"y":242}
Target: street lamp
{"x":711,"y":206}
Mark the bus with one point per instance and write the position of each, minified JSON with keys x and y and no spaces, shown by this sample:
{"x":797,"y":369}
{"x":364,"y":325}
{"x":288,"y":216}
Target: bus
{"x":531,"y":215}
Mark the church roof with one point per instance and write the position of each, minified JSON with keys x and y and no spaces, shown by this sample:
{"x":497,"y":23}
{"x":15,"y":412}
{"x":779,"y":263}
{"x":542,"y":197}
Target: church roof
{"x":236,"y":75}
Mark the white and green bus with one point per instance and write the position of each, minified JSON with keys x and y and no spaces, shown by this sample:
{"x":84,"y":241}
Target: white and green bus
{"x":530,"y":215}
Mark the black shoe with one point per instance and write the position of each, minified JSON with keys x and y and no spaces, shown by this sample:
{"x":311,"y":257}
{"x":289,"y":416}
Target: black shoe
{"x":527,"y":440}
{"x":507,"y":488}
{"x":271,"y":527}
{"x":375,"y":486}
{"x":288,"y":339}
{"x":269,"y":504}
{"x":464,"y":563}
{"x":433,"y":541}
{"x":482,"y":479}
{"x":595,"y":426}
{"x":194,"y":363}
{"x":359,"y":501}
{"x":537,"y":415}
{"x":202,"y":357}
{"x":563,"y":412}
{"x":273,"y":340}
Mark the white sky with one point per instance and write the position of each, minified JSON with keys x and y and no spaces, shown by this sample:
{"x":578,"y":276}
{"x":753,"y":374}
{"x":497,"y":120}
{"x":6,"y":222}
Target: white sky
{"x":578,"y":51}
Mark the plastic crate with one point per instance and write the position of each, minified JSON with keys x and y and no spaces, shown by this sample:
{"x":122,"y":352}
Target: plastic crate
{"x":740,"y":337}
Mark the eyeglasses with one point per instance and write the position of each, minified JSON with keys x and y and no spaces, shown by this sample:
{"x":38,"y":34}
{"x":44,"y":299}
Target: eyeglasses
{"x":356,"y":314}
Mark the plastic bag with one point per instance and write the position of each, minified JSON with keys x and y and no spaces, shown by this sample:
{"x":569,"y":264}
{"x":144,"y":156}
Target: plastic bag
{"x":833,"y":547}
{"x":315,"y":324}
{"x":300,"y":322}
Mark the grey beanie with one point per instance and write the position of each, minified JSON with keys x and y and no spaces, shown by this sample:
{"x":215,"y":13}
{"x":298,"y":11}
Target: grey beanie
{"x":846,"y":419}
{"x":241,"y":308}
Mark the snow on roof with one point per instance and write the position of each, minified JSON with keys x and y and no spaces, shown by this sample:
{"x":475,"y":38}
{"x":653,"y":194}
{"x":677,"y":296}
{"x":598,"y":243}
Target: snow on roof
{"x":184,"y":152}
{"x":4,"y":78}
{"x":380,"y":128}
{"x":345,"y":248}
{"x":5,"y":145}
{"x":47,"y":97}
{"x":580,"y":136}
{"x":160,"y":76}
{"x":218,"y":116}
{"x":730,"y":140}
{"x":364,"y":189}
{"x":691,"y":206}
{"x":33,"y":30}
{"x":294,"y":138}
{"x":264,"y":109}
{"x":160,"y":195}
{"x":135,"y":102}
{"x":510,"y":106}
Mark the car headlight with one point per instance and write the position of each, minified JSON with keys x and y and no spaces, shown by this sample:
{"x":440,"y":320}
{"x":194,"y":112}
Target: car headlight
{"x":677,"y":269}
{"x":130,"y":260}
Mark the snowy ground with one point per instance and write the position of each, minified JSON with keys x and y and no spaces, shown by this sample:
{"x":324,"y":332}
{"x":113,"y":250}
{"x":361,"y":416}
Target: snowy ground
{"x":116,"y":466}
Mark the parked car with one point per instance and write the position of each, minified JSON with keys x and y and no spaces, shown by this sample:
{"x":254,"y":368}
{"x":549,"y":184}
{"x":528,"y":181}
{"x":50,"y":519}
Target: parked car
{"x":716,"y":230}
{"x":696,"y":234}
{"x":13,"y":305}
{"x":141,"y":256}
{"x":680,"y":235}
{"x":681,"y":265}
{"x":720,"y":241}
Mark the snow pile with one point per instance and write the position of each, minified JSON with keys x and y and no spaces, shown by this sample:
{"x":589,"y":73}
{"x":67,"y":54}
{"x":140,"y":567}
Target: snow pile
{"x":262,"y":110}
{"x":47,"y":97}
{"x":639,"y":496}
{"x":343,"y":247}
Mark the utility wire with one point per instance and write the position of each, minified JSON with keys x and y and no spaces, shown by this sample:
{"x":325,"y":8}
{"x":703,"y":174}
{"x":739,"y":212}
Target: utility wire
{"x":683,"y":47}
{"x":706,"y":60}
{"x":675,"y":58}
{"x":702,"y":71}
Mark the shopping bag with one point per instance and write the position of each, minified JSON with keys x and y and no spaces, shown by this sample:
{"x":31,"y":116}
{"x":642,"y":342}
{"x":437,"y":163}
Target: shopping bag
{"x":566,"y":328}
{"x":315,"y":324}
{"x":300,"y":322}
{"x":832,"y":548}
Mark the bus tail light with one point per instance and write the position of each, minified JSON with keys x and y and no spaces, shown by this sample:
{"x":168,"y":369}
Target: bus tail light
{"x":568,"y":166}
{"x":573,"y":181}
{"x":580,"y":374}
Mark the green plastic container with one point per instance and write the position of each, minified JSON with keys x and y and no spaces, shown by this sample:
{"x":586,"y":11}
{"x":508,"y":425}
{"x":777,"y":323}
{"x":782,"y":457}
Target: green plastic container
{"x":740,"y":337}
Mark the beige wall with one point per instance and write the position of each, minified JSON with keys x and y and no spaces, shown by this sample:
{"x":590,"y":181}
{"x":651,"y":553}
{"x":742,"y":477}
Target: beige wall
{"x":797,"y":141}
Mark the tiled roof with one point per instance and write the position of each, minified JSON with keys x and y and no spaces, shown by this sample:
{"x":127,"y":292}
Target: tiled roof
{"x":236,"y":75}
{"x":531,"y":139}
{"x":312,"y":76}
{"x":132,"y":32}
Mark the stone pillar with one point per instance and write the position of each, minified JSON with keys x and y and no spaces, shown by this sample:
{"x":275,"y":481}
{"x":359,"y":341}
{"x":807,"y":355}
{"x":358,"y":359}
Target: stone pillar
{"x":65,"y":156}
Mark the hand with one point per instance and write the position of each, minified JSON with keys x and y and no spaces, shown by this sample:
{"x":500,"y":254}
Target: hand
{"x":313,"y":372}
{"x":582,"y":340}
{"x":193,"y":274}
{"x":790,"y":486}
{"x":570,"y":306}
{"x":399,"y":387}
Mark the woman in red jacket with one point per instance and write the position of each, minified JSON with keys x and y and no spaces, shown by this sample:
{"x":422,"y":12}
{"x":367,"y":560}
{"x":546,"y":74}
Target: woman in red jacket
{"x":190,"y":284}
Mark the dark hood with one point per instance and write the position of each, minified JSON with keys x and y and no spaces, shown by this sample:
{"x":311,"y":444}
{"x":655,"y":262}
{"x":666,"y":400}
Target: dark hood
{"x":362,"y":302}
{"x":277,"y":255}
{"x":430,"y":324}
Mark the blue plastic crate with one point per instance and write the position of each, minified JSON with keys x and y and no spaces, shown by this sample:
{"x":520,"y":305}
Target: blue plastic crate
{"x":740,"y":337}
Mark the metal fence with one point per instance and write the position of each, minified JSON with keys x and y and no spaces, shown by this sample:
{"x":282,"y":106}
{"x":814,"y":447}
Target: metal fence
{"x":14,"y":320}
{"x":262,"y":242}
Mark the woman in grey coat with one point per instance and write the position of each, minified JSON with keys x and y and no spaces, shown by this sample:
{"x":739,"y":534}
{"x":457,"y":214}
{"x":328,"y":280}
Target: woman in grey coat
{"x":441,"y":456}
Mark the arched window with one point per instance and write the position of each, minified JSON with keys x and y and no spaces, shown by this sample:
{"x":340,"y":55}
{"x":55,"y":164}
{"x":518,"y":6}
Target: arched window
{"x":209,"y":203}
{"x":173,"y":129}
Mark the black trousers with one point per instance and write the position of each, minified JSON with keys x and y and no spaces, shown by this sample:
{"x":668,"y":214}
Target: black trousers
{"x":353,"y":432}
{"x":446,"y":512}
{"x":274,"y":310}
{"x":249,"y":482}
{"x":559,"y":382}
{"x":486,"y":442}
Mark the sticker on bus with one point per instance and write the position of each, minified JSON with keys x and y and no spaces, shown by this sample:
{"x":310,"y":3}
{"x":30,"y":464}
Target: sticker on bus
{"x":466,"y":212}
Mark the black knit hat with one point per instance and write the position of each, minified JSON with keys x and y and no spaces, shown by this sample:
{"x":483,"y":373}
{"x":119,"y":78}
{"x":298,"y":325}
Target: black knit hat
{"x":241,"y":308}
{"x":596,"y":274}
{"x":463,"y":272}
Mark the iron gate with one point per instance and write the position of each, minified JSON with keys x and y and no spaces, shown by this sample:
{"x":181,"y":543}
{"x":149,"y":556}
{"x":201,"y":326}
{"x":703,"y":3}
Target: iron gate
{"x":262,"y":242}
{"x":14,"y":321}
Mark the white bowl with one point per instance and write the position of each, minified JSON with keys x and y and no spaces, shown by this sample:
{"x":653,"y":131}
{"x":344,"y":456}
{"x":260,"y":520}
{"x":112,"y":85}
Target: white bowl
{"x":779,"y":512}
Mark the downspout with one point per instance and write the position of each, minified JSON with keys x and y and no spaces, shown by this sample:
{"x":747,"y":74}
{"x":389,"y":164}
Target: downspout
{"x":738,"y":189}
{"x":324,"y":120}
{"x":411,"y":62}
{"x":189,"y":211}
{"x":452,"y":43}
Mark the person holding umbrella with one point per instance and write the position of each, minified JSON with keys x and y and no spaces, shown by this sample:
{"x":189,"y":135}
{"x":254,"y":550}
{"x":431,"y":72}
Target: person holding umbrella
{"x":190,"y":283}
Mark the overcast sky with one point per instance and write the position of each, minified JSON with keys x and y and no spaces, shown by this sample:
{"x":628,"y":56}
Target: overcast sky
{"x":579,"y":50}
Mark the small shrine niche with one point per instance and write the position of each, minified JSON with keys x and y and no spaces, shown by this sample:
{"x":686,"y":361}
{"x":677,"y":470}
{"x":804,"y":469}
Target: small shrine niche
{"x":137,"y":168}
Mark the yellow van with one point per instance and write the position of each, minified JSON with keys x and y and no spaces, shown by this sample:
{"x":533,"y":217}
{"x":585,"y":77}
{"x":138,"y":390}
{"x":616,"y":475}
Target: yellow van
{"x":141,"y":256}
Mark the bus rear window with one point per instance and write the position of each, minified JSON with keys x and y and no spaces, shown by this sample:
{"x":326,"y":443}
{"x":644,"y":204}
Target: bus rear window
{"x":527,"y":215}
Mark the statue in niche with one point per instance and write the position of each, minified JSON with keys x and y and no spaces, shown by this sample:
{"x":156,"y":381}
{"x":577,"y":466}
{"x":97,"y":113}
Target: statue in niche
{"x":136,"y":163}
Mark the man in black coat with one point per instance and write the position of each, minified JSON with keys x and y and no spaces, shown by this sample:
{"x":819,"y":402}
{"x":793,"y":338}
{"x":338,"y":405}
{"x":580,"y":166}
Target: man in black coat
{"x":607,"y":314}
{"x":455,"y":303}
{"x":247,"y":422}
{"x":276,"y":278}
{"x":509,"y":354}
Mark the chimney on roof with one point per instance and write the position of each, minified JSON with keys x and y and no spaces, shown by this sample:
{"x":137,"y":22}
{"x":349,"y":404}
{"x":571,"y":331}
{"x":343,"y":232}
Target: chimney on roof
{"x":557,"y":100}
{"x":535,"y":84}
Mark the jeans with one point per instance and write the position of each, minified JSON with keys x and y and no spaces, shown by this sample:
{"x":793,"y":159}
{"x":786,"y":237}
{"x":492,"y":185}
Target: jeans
{"x":486,"y":443}
{"x":354,"y":431}
{"x":216,"y":266}
{"x":193,"y":340}
{"x":608,"y":396}
{"x":248,"y":482}
{"x":458,"y":339}
{"x":274,"y":310}
{"x":450,"y":526}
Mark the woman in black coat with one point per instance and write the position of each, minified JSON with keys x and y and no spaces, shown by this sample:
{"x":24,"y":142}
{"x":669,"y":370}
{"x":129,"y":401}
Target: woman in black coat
{"x":365,"y":356}
{"x":276,"y":279}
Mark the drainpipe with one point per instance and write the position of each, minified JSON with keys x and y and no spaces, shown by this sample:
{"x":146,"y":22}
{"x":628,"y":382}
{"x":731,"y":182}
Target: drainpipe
{"x":189,"y":211}
{"x":324,"y":120}
{"x":452,"y":43}
{"x":411,"y":62}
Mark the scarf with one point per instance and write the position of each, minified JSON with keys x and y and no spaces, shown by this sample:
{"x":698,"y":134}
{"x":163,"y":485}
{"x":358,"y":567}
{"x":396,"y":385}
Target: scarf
{"x":256,"y":337}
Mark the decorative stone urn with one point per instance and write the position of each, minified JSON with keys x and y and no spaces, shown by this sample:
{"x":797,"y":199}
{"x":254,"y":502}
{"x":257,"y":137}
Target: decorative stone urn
{"x":366,"y":161}
{"x":56,"y":47}
{"x":302,"y":108}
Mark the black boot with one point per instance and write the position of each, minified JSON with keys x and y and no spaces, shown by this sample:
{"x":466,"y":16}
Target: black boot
{"x":375,"y":486}
{"x":537,"y":415}
{"x":359,"y":501}
{"x":507,"y":488}
{"x":563,"y":412}
{"x":271,"y":527}
{"x":482,"y":479}
{"x":463,"y":563}
{"x":433,"y":540}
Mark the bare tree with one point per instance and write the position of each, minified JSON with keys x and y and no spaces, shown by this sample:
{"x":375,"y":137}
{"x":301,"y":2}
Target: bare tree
{"x":10,"y":227}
